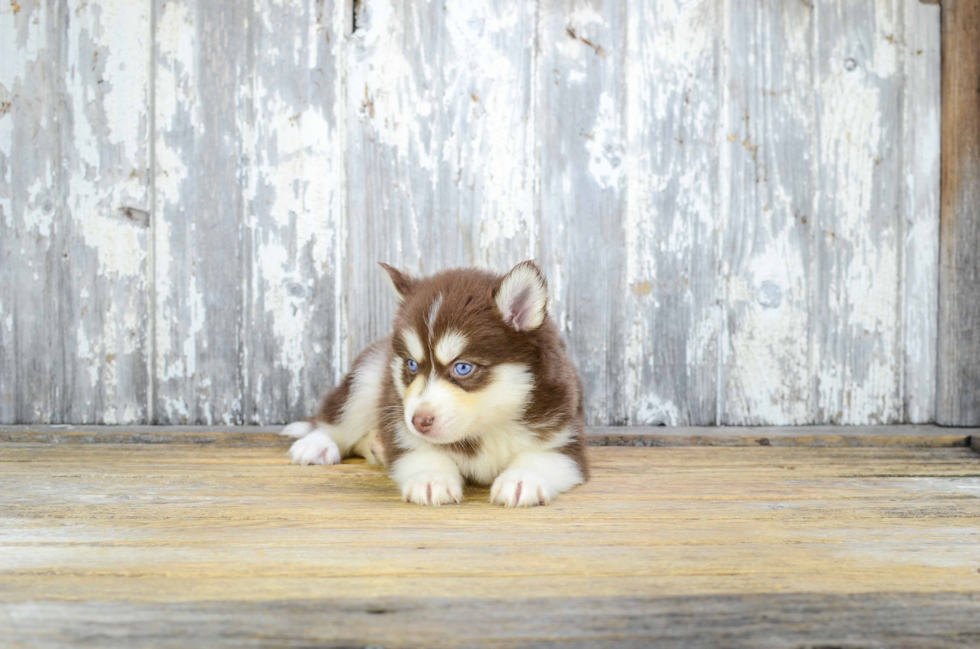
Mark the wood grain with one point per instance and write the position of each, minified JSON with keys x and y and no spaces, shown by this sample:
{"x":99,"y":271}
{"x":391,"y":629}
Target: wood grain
{"x":441,"y":139}
{"x":858,"y":235}
{"x":180,"y":541}
{"x":74,"y":212}
{"x":796,"y":620}
{"x":32,"y":228}
{"x":921,"y":179}
{"x":201,"y":113}
{"x":582,"y":150}
{"x":294,"y":229}
{"x":735,"y":204}
{"x":958,"y":390}
{"x":767,"y":189}
{"x":106,"y":147}
{"x":670,"y":365}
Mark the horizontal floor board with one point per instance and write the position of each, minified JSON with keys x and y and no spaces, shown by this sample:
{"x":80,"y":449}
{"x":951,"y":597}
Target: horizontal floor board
{"x":896,"y":620}
{"x":128,"y":544}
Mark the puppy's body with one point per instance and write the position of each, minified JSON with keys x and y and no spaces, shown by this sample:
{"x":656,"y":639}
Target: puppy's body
{"x":473,"y":384}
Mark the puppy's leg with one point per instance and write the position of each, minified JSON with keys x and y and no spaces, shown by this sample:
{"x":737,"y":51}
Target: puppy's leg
{"x":348,"y":414}
{"x":369,"y":447}
{"x":428,"y":478}
{"x":535,"y":479}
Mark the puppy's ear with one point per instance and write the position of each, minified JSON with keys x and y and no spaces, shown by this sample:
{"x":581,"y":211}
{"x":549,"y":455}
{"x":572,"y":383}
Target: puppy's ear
{"x":522,"y":297}
{"x":403,"y":283}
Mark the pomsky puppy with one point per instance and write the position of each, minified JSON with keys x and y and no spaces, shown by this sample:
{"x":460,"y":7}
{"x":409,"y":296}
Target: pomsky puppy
{"x":472,"y":384}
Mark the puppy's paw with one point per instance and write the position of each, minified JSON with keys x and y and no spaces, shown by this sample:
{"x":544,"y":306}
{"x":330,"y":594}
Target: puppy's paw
{"x":432,"y":489}
{"x":315,"y":448}
{"x":520,"y":488}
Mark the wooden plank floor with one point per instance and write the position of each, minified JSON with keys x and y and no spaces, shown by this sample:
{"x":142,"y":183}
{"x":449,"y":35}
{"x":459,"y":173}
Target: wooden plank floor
{"x":227,"y":544}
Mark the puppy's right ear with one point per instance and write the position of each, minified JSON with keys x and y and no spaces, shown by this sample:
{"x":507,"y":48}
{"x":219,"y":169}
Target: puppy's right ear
{"x":401,"y":282}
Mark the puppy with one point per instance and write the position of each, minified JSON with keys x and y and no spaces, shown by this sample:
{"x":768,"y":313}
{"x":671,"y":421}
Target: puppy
{"x":473,"y":384}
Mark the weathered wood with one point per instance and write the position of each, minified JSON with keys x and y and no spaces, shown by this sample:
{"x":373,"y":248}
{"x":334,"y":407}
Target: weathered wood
{"x":735,"y":203}
{"x":671,"y":311}
{"x":802,"y":436}
{"x":900,"y":620}
{"x":294,"y":230}
{"x":767,"y":189}
{"x":201,"y":113}
{"x":582,"y":152}
{"x":74,"y":159}
{"x":441,"y":145}
{"x":106,"y":145}
{"x":798,"y":436}
{"x":920,"y":181}
{"x":958,"y":391}
{"x":858,"y":235}
{"x":33,"y":241}
{"x":141,"y":542}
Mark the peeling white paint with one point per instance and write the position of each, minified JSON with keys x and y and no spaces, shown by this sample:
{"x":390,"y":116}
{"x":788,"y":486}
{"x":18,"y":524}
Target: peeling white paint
{"x":723,"y":287}
{"x":605,"y":145}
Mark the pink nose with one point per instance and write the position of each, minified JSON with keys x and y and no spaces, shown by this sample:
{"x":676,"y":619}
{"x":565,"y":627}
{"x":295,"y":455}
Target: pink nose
{"x":423,"y":422}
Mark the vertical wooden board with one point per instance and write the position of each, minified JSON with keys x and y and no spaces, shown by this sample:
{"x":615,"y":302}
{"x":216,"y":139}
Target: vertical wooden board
{"x":921,"y":113}
{"x":671,"y":311}
{"x":106,"y":152}
{"x":958,"y":387}
{"x":441,"y":145}
{"x":33,"y":240}
{"x":857,"y":200}
{"x":582,"y":148}
{"x":766,"y":223}
{"x":201,"y":70}
{"x":294,"y":226}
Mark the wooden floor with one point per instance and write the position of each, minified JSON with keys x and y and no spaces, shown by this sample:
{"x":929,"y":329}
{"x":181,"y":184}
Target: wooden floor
{"x":226,"y":543}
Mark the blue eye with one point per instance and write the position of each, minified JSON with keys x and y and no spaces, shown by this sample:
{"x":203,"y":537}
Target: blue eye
{"x":413,"y":367}
{"x":462,"y":369}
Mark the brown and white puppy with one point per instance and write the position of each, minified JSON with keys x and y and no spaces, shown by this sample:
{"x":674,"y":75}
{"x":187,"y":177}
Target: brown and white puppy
{"x":473,"y":384}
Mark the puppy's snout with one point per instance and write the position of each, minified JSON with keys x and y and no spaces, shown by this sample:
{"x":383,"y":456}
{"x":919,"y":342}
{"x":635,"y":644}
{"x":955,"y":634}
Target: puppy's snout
{"x":423,"y":421}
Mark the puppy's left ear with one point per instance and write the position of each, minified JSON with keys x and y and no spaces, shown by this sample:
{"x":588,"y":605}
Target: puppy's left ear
{"x":522,"y":297}
{"x":402,"y":283}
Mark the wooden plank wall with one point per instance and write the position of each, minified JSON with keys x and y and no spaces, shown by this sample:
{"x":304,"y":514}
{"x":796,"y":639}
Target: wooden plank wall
{"x":736,"y":203}
{"x":958,"y":401}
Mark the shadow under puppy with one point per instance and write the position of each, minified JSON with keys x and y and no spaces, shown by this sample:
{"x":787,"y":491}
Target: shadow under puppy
{"x":472,"y":384}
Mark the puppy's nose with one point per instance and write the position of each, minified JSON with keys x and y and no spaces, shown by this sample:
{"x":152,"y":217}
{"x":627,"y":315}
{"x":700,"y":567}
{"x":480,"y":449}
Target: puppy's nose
{"x":423,"y":421}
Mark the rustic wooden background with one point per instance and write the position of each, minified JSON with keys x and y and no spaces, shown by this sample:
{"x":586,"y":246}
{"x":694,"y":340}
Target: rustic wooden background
{"x":736,"y":201}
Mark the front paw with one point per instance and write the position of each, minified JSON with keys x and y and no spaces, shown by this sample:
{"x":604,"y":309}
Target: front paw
{"x":432,"y":489}
{"x":315,"y":448}
{"x":520,"y":488}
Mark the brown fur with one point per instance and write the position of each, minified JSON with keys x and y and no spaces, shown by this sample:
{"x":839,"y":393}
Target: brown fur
{"x":468,"y":306}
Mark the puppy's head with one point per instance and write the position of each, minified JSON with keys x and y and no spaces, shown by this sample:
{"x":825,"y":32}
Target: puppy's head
{"x":464,"y":347}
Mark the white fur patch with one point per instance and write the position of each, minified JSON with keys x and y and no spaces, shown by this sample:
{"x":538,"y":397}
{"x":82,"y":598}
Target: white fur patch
{"x":450,"y":347}
{"x":535,"y":479}
{"x":523,"y":298}
{"x":431,"y":317}
{"x":414,"y":344}
{"x":459,"y":414}
{"x":359,"y":415}
{"x":396,"y":375}
{"x":428,"y":478}
{"x":315,"y":448}
{"x":297,"y":429}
